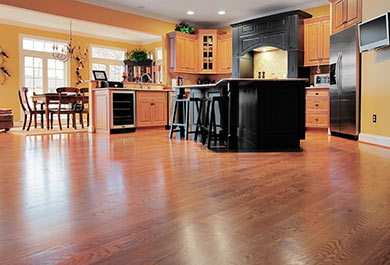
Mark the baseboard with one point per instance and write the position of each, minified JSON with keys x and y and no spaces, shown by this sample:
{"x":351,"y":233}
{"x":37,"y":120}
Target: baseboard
{"x":374,"y":139}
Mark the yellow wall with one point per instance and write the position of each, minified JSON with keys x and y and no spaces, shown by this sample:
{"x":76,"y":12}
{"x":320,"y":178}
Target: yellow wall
{"x":375,"y":79}
{"x":87,"y":12}
{"x":319,"y":10}
{"x":10,"y":43}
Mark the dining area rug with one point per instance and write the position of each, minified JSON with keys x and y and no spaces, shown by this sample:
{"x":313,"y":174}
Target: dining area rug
{"x":40,"y":131}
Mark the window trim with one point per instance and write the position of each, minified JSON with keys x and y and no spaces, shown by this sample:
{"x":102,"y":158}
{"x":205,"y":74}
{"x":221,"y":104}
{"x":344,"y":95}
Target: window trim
{"x":107,"y":62}
{"x":32,"y":53}
{"x":157,"y":62}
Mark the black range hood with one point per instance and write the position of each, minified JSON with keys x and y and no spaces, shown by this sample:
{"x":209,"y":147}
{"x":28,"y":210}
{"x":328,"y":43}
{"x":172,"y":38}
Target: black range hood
{"x":284,"y":31}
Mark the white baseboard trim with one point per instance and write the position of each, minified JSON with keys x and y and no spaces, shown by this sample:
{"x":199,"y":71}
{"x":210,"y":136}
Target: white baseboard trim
{"x":374,"y":139}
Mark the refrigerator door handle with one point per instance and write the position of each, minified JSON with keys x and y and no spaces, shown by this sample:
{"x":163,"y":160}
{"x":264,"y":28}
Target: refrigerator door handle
{"x":340,"y":69}
{"x":338,"y":73}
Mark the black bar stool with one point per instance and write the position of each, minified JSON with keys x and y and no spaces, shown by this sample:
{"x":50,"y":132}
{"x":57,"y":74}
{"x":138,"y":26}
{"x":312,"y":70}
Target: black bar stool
{"x":209,"y":126}
{"x":199,"y":103}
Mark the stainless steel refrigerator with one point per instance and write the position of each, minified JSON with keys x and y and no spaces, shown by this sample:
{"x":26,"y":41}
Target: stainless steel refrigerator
{"x":345,"y":83}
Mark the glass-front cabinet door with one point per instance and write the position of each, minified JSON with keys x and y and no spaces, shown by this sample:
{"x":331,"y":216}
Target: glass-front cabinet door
{"x":208,"y":52}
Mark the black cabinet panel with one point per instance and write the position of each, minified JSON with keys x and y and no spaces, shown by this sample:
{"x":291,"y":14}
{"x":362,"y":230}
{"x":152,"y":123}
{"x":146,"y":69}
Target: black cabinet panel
{"x":277,"y":39}
{"x":249,"y":43}
{"x":248,"y":29}
{"x":276,"y":24}
{"x":280,"y":31}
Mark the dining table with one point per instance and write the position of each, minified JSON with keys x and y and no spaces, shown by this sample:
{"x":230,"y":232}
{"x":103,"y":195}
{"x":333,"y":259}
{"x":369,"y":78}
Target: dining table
{"x":46,"y":99}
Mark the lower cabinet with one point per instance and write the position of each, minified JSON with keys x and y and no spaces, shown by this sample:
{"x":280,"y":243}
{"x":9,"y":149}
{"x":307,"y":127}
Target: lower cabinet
{"x":151,"y":108}
{"x":317,"y":108}
{"x":113,"y":110}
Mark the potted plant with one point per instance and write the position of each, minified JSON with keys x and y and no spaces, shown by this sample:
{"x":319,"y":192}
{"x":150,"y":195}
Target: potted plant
{"x":138,"y":55}
{"x":185,"y":28}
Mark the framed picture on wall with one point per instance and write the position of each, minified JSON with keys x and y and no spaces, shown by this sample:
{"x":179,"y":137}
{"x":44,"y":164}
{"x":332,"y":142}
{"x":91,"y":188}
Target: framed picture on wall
{"x":99,"y":75}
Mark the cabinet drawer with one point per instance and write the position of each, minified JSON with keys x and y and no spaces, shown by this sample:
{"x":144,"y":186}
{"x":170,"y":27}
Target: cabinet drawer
{"x":317,"y":105}
{"x":317,"y":120}
{"x":151,"y":95}
{"x":315,"y":93}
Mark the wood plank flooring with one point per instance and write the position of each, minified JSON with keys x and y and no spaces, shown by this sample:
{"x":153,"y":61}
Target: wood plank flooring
{"x":144,"y":199}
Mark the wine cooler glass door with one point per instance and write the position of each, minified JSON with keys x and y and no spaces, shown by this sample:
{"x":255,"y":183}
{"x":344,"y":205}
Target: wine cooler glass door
{"x":123,"y":108}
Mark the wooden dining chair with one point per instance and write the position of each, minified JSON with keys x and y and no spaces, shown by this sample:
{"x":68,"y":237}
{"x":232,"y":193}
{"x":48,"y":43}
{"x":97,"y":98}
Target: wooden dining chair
{"x":81,"y":108}
{"x":27,"y":110}
{"x":66,"y":106}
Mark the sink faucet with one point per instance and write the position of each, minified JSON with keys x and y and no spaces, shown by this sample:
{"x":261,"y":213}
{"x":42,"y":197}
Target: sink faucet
{"x":142,"y":76}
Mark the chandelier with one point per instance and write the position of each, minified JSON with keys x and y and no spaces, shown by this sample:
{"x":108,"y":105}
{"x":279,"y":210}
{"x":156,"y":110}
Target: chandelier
{"x":69,"y":51}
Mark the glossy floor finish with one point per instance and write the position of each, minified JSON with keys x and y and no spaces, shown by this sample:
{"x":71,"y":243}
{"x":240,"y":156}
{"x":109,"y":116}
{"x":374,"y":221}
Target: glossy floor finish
{"x":143,"y":199}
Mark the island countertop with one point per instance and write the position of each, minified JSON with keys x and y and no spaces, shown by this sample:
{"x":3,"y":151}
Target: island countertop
{"x":254,"y":80}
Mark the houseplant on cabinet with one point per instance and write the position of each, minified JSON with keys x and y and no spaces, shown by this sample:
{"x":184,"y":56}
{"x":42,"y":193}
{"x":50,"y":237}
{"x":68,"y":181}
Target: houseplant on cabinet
{"x":185,"y":28}
{"x":137,"y":55}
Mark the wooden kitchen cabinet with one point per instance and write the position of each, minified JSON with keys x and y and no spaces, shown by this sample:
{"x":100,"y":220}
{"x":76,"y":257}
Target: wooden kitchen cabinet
{"x":151,"y":108}
{"x":183,"y":53}
{"x":317,"y":39}
{"x":225,"y":52}
{"x":345,"y":13}
{"x":206,"y":52}
{"x":113,"y":110}
{"x":208,"y":49}
{"x":317,"y":107}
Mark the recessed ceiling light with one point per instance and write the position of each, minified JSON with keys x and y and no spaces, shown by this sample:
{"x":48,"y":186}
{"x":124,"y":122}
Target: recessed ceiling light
{"x":190,"y":13}
{"x":221,"y":12}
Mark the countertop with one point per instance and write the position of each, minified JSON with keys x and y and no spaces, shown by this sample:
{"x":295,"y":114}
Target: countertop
{"x":227,"y":80}
{"x":134,"y":89}
{"x":317,"y":87}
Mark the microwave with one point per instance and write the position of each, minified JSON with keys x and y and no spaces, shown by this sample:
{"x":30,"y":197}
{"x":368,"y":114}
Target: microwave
{"x":322,"y":80}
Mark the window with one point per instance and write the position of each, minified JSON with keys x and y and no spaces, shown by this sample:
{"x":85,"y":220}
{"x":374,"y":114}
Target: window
{"x":159,"y":65}
{"x":110,"y":60}
{"x":42,"y":73}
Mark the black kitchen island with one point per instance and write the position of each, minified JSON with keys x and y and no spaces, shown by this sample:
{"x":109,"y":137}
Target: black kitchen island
{"x":263,"y":114}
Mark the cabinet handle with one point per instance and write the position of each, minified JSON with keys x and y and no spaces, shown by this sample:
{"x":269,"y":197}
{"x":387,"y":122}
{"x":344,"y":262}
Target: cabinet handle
{"x":316,"y":105}
{"x":316,"y":119}
{"x":152,"y":104}
{"x":317,"y":94}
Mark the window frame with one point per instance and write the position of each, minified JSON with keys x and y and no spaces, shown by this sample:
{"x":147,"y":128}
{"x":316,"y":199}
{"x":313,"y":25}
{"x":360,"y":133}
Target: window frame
{"x":106,"y":62}
{"x":44,"y":56}
{"x":159,"y":79}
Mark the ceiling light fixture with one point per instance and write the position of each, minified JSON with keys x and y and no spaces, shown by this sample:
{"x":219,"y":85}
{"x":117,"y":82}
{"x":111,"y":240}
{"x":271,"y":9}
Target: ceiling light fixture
{"x":190,"y":13}
{"x":221,"y":12}
{"x":69,"y":51}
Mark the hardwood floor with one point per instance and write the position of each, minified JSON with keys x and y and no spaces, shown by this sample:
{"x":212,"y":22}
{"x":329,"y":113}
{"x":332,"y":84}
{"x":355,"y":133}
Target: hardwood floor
{"x":142,"y":199}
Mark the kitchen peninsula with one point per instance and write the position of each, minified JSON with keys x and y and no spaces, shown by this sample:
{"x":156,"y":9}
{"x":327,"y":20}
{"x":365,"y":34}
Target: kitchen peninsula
{"x":263,"y":114}
{"x":123,"y":109}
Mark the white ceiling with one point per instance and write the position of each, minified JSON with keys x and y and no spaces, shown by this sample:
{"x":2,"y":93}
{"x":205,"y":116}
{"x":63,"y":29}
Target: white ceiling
{"x":18,"y":17}
{"x":206,"y":10}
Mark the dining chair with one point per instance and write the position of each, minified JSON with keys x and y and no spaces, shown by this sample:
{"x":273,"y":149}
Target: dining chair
{"x":66,"y":106}
{"x":27,"y":110}
{"x":81,"y":108}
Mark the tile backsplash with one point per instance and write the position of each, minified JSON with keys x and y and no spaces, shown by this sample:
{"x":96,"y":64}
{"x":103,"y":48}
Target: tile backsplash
{"x":273,"y":63}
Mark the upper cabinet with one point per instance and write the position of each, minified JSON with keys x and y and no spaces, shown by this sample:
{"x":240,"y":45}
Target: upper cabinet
{"x":345,"y":13}
{"x":225,"y":51}
{"x":208,"y":51}
{"x":317,"y":38}
{"x":205,"y":52}
{"x":183,"y":52}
